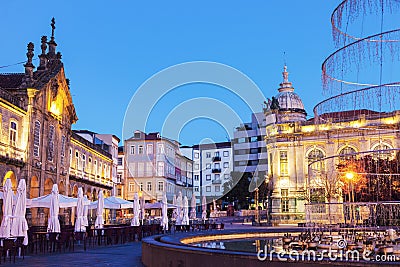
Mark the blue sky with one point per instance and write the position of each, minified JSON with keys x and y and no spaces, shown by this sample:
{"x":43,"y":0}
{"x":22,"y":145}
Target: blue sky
{"x":110,"y":48}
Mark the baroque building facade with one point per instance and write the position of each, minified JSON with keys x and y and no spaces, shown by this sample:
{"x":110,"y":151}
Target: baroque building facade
{"x":301,"y":152}
{"x":37,"y":143}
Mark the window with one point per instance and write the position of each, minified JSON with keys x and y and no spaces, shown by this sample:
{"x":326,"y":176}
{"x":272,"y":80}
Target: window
{"x":119,"y":177}
{"x":383,"y":152}
{"x":77,"y":160}
{"x":283,"y":161}
{"x":89,"y":165}
{"x":226,"y":153}
{"x":50,"y":148}
{"x":140,"y":169}
{"x":216,"y":154}
{"x":149,"y":149}
{"x":36,"y":139}
{"x":160,"y":186}
{"x":132,"y":150}
{"x":208,"y":166}
{"x":315,"y":155}
{"x":96,"y":171}
{"x":131,"y":187}
{"x":140,"y":149}
{"x":160,"y":169}
{"x":196,"y":155}
{"x":119,"y":161}
{"x":226,"y":176}
{"x":140,"y":186}
{"x":196,"y":189}
{"x":285,"y":200}
{"x":208,"y":155}
{"x":149,"y":186}
{"x":347,"y":153}
{"x":208,"y":188}
{"x":241,"y":140}
{"x":160,"y":148}
{"x":242,"y":163}
{"x":226,"y":165}
{"x":254,"y":150}
{"x":83,"y":162}
{"x":119,"y":192}
{"x":196,"y":166}
{"x":136,"y":135}
{"x":196,"y":177}
{"x":13,"y":133}
{"x":62,"y":149}
{"x":217,"y":176}
{"x":149,"y":169}
{"x":253,"y":139}
{"x":217,"y":188}
{"x":208,"y":177}
{"x":217,"y":166}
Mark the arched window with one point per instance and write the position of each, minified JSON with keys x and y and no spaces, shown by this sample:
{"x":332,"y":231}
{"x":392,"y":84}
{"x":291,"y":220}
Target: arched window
{"x":62,"y":149}
{"x":382,"y":152}
{"x":316,"y":155}
{"x":36,"y":139}
{"x":347,"y":153}
{"x":50,"y":148}
{"x":13,"y":133}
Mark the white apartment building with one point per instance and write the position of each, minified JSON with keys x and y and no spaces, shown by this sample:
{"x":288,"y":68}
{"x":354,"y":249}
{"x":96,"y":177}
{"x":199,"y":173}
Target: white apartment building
{"x":120,"y":173}
{"x":212,"y":167}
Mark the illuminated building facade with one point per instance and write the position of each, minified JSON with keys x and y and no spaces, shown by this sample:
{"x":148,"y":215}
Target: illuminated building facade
{"x":37,"y":143}
{"x":154,"y":165}
{"x":293,"y":143}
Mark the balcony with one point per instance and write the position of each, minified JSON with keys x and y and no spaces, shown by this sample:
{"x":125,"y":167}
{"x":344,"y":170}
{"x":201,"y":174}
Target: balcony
{"x":217,"y":158}
{"x":216,"y":170}
{"x":216,"y":181}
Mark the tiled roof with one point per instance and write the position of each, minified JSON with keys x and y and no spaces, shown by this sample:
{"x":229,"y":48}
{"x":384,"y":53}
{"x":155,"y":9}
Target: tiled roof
{"x":11,"y":80}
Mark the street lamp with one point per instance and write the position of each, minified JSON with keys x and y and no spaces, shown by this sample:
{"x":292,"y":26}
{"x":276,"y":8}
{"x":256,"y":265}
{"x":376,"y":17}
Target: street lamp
{"x":350,"y":176}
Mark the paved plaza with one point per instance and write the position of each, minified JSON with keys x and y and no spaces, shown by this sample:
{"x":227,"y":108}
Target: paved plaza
{"x":118,"y":255}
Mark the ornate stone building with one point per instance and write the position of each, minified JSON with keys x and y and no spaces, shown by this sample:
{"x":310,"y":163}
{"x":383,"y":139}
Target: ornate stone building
{"x":301,"y":152}
{"x":37,"y":143}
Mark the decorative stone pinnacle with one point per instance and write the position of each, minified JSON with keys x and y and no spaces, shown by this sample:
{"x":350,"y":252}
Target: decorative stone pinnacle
{"x":29,"y":55}
{"x":44,"y":44}
{"x":285,"y":75}
{"x":53,"y":27}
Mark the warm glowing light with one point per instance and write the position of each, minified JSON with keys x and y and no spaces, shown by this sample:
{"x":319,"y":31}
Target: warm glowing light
{"x":349,"y":175}
{"x":308,"y":128}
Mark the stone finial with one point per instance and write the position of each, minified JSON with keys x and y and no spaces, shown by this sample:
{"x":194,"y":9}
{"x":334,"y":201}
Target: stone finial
{"x":44,"y":44}
{"x":29,"y":66}
{"x":285,"y":75}
{"x":53,"y":27}
{"x":42,"y":57}
{"x":52,"y":43}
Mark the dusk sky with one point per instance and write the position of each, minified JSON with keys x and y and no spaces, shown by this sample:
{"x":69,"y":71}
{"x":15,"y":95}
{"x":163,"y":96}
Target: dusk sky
{"x":110,"y":48}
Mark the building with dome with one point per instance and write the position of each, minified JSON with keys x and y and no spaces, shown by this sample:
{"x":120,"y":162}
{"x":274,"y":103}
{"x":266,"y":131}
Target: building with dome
{"x":301,"y":151}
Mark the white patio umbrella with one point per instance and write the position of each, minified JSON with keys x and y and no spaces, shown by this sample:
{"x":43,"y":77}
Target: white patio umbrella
{"x":185,"y":218}
{"x":193,"y":210}
{"x":204,"y":208}
{"x":141,"y":206}
{"x":19,"y":226}
{"x":179,"y":209}
{"x":80,"y":222}
{"x":175,"y":211}
{"x":54,"y":224}
{"x":99,"y":223}
{"x":113,"y":203}
{"x":85,"y":212}
{"x":136,"y":210}
{"x":5,"y":228}
{"x":164,"y":219}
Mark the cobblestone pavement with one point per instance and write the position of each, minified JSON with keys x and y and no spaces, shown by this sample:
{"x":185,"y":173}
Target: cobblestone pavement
{"x":117,"y":255}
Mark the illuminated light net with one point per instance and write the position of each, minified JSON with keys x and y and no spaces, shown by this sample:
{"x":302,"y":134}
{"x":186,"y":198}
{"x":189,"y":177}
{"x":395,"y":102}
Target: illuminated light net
{"x":361,"y":79}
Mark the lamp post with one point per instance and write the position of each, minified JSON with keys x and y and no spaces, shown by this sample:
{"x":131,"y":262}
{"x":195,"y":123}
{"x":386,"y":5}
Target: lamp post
{"x":350,"y":177}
